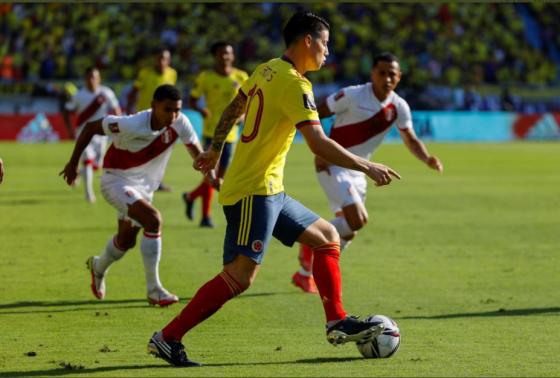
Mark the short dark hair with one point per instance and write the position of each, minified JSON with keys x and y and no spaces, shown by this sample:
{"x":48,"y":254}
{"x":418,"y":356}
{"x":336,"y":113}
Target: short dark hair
{"x":218,"y":45}
{"x":167,"y":92}
{"x":302,"y":23}
{"x":384,"y":57}
{"x":90,"y":70}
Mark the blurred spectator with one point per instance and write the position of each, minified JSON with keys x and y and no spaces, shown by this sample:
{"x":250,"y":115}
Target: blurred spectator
{"x":453,"y":45}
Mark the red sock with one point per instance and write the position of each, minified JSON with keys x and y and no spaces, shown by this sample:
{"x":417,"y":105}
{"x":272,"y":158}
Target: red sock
{"x":197,"y":192}
{"x":327,"y":277}
{"x":207,"y":194}
{"x":306,"y":257}
{"x":207,"y":300}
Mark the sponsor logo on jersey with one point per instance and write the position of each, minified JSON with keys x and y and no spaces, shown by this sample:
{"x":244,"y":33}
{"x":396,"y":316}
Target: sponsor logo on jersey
{"x":309,"y":102}
{"x":257,"y":246}
{"x":114,"y":127}
{"x":339,"y":95}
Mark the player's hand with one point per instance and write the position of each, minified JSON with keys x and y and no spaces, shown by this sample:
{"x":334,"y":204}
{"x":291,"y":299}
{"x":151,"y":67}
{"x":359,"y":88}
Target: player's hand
{"x":69,"y":173}
{"x":434,"y":163}
{"x":206,"y":161}
{"x":381,"y":174}
{"x":322,"y":165}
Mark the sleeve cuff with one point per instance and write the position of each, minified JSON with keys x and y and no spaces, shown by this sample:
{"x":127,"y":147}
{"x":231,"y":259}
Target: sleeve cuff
{"x":308,"y":122}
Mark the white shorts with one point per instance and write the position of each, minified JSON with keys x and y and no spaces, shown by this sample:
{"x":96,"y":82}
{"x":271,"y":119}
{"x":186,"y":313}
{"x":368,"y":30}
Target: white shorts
{"x":95,"y":150}
{"x":343,"y":187}
{"x":121,"y":193}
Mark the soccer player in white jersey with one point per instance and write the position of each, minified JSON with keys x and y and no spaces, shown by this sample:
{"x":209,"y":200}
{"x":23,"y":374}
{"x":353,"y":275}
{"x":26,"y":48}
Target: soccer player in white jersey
{"x":93,"y":101}
{"x":132,"y":170}
{"x":364,"y":115}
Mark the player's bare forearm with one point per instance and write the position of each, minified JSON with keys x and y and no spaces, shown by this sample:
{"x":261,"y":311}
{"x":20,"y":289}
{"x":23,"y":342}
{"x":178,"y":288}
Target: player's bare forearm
{"x":327,"y":149}
{"x":89,"y":130}
{"x":418,"y":149}
{"x":194,"y":149}
{"x":229,"y":118}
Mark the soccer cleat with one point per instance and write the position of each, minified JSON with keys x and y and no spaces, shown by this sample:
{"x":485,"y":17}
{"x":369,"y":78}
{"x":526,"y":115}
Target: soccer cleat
{"x":207,"y":222}
{"x":305,"y":283}
{"x":353,"y":329}
{"x":171,"y":351}
{"x":189,"y":206}
{"x":97,"y":280}
{"x":161,"y":297}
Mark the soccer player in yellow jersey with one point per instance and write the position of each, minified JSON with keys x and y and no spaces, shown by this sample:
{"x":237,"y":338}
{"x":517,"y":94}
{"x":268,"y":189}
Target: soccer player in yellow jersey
{"x":218,"y":86}
{"x":149,"y":79}
{"x":277,"y":99}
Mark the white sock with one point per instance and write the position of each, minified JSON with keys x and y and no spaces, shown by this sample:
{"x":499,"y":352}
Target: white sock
{"x":342,"y":227}
{"x":111,"y":254}
{"x":151,"y":254}
{"x":87,"y":175}
{"x":305,"y":273}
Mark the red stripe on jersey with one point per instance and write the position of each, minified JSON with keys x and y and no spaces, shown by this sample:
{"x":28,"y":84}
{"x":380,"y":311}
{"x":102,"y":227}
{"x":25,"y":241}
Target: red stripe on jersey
{"x":357,"y":133}
{"x":90,"y":110}
{"x":308,"y":122}
{"x":122,"y":159}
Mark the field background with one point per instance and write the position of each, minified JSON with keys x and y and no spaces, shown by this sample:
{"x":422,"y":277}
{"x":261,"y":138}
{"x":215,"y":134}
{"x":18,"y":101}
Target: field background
{"x":466,"y":262}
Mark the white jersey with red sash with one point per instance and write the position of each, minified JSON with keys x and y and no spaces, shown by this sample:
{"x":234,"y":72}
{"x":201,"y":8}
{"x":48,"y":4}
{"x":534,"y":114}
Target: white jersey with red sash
{"x":92,"y":105}
{"x":362,"y":121}
{"x":139,"y":154}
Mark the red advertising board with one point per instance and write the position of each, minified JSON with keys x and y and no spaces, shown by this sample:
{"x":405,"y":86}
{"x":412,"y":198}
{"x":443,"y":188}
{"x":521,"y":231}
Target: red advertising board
{"x":38,"y":127}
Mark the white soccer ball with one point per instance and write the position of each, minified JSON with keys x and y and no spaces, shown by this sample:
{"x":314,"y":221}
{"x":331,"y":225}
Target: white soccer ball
{"x":386,"y":344}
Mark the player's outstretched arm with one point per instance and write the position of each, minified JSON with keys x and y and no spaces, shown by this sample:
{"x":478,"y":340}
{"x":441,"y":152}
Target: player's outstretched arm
{"x":333,"y":152}
{"x":418,"y":149}
{"x":207,"y":160}
{"x":70,"y":171}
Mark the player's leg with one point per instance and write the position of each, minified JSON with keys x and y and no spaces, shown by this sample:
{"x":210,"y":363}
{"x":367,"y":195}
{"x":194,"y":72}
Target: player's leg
{"x":250,"y":223}
{"x":114,"y":251}
{"x":323,"y":238}
{"x":208,"y":192}
{"x":88,"y":160}
{"x":143,"y":212}
{"x":190,"y":197}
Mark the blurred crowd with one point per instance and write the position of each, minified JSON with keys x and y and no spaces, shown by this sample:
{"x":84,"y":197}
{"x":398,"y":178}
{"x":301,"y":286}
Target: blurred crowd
{"x":453,"y":45}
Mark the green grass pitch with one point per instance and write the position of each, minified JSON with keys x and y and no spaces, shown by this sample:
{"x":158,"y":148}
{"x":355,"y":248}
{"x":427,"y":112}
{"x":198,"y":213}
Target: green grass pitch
{"x":466,"y":262}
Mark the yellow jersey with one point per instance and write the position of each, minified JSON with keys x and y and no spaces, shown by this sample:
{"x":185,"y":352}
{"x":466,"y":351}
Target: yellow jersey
{"x":147,"y":82}
{"x":218,"y":91}
{"x":279,"y":100}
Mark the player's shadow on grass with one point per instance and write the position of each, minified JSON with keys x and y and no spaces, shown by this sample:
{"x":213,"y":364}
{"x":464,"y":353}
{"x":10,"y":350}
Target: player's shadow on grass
{"x":89,"y":305}
{"x":500,"y":312}
{"x":87,"y":371}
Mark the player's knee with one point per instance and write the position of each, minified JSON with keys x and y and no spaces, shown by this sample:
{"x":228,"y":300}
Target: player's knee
{"x":153,"y":222}
{"x":358,"y":222}
{"x":330,"y":234}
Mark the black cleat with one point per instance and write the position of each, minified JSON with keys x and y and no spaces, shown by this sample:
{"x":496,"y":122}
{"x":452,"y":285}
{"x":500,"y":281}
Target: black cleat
{"x":207,"y":222}
{"x":353,"y":329}
{"x":189,"y":206}
{"x":172,"y":352}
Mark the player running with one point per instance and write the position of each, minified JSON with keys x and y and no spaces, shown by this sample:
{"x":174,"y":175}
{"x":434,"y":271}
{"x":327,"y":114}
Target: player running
{"x":364,"y":115}
{"x":132,"y":170}
{"x":277,"y":99}
{"x":93,"y":101}
{"x":218,"y":86}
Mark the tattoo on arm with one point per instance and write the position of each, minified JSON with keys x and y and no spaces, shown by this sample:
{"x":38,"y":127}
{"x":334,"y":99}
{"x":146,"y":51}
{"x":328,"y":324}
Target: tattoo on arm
{"x":229,"y":118}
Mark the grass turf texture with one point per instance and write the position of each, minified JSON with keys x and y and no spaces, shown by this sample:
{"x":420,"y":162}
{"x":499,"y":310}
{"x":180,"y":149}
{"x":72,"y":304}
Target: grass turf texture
{"x":466,"y":262}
